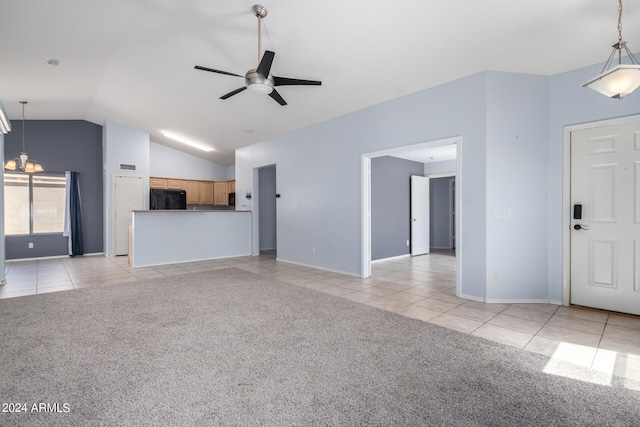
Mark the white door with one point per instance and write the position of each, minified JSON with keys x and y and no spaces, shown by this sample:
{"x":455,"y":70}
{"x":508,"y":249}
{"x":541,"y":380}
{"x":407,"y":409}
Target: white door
{"x":419,"y":215}
{"x":128,"y":195}
{"x":605,"y":242}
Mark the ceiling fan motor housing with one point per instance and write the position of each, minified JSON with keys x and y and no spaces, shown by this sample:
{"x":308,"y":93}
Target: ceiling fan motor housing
{"x":257,"y":83}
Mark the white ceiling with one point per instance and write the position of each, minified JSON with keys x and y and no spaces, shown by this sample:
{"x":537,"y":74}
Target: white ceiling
{"x":131,"y":61}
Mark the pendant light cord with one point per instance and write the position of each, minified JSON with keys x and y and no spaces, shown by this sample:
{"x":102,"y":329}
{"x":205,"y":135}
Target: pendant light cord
{"x":24,"y":145}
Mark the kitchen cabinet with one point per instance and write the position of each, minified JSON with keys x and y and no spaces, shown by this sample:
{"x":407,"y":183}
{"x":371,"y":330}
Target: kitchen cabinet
{"x":206,"y":192}
{"x":160,"y":183}
{"x":175,"y":184}
{"x":220,"y":194}
{"x":231,"y":186}
{"x":193,"y":192}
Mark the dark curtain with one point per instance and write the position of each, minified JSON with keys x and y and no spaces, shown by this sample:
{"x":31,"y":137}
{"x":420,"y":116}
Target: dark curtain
{"x":75,"y":216}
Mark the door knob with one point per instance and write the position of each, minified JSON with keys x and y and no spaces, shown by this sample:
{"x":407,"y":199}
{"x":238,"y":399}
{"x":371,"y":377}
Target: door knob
{"x":580,"y":227}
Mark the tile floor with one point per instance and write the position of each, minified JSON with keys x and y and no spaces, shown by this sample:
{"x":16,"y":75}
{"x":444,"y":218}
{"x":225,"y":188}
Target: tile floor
{"x":418,"y":287}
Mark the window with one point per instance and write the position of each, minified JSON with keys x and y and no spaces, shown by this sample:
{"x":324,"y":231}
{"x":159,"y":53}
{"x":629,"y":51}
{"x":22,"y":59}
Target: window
{"x":34,"y":204}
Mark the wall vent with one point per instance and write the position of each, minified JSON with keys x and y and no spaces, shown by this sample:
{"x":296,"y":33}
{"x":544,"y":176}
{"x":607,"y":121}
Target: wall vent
{"x":127,"y":167}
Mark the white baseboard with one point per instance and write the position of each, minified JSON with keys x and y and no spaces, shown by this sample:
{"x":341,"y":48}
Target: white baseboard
{"x":317,"y":267}
{"x":373,"y":261}
{"x":51,"y":257}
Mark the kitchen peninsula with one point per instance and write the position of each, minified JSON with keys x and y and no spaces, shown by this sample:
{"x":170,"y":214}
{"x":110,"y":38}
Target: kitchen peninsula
{"x":174,"y":236}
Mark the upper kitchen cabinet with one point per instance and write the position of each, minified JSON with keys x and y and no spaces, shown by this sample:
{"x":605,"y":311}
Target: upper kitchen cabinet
{"x":207,"y":192}
{"x":193,"y":192}
{"x":160,"y":183}
{"x":220,"y":193}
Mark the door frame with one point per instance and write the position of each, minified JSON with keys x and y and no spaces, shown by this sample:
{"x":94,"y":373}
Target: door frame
{"x":566,"y":195}
{"x":365,"y":211}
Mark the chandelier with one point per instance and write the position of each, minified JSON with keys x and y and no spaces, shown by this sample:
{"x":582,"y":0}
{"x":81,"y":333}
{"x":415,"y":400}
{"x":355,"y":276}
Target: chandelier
{"x":619,"y":81}
{"x":23,"y":162}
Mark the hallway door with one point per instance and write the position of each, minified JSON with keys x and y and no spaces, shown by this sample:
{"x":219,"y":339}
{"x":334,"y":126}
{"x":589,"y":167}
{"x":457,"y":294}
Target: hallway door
{"x":605,"y":203}
{"x":420,"y":225}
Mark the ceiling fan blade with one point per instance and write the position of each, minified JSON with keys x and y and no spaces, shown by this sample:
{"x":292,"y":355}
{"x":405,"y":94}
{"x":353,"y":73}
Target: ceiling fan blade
{"x":265,"y":63}
{"x":197,"y":67}
{"x":233,"y":92}
{"x":286,"y":81}
{"x":275,"y":95}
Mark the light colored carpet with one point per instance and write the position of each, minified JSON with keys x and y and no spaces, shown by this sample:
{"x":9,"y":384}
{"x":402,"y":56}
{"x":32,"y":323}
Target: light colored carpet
{"x":228,"y":347}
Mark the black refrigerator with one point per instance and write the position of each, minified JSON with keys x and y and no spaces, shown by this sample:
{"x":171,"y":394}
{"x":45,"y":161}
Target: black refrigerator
{"x":167,"y":199}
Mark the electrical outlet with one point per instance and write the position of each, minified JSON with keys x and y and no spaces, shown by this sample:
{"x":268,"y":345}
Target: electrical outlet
{"x":30,"y":245}
{"x":407,"y":243}
{"x":496,"y":275}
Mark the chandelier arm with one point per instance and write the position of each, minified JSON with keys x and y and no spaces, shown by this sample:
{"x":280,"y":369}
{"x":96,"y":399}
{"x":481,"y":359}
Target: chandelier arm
{"x":631,"y":56}
{"x":606,"y":64}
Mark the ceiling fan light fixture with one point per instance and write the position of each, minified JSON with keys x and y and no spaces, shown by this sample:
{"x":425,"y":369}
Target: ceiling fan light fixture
{"x":620,"y":80}
{"x":260,"y":88}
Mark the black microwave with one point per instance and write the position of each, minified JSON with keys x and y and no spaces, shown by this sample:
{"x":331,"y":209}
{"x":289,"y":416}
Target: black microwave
{"x":232,"y":199}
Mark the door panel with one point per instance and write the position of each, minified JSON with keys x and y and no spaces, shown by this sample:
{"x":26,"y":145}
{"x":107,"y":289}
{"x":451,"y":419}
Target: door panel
{"x":420,"y":224}
{"x":605,"y":248}
{"x":128,"y":195}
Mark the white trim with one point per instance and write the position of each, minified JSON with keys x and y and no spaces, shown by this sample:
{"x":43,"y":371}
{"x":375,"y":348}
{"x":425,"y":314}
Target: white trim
{"x":566,"y":195}
{"x":441,"y":175}
{"x":522,"y":301}
{"x":317,"y":267}
{"x":54,"y":257}
{"x":374,"y":261}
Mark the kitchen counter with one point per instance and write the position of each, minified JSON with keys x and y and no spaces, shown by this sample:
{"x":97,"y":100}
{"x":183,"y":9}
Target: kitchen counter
{"x":174,"y":236}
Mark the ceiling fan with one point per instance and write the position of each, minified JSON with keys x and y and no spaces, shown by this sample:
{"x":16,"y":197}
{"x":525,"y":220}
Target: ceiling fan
{"x":260,"y":80}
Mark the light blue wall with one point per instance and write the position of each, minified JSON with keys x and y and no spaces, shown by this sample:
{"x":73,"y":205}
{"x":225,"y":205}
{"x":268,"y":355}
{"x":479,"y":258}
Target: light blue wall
{"x":517,"y":154}
{"x":511,"y":129}
{"x":444,"y":166}
{"x":319,"y":174}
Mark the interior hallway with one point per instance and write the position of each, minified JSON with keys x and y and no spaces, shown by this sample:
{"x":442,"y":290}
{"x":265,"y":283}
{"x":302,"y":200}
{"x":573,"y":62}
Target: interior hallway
{"x":421,"y":287}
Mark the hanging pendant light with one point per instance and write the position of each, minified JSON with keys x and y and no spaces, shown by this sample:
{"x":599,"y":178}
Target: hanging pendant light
{"x":619,"y":81}
{"x":23,"y":162}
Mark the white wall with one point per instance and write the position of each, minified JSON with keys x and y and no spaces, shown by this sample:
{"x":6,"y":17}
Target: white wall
{"x":444,"y":166}
{"x":121,"y":145}
{"x":166,"y":162}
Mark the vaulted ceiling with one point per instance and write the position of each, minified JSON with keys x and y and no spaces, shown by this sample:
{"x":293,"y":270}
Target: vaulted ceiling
{"x":131,"y":61}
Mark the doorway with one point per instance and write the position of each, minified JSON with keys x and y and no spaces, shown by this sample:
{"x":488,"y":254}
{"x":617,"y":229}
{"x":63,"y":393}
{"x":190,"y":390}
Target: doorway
{"x":267,"y":209}
{"x":128,"y":195}
{"x":366,"y":220}
{"x":604,"y":216}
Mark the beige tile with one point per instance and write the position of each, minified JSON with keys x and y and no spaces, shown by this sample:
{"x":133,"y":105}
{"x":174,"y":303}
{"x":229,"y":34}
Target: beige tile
{"x":493,"y":307}
{"x":547,"y":308}
{"x":419,"y":313}
{"x":359,"y":297}
{"x":67,"y":282}
{"x":449,"y":298}
{"x":569,"y":336}
{"x":503,"y":335}
{"x":457,"y":323}
{"x":583,"y":313}
{"x":434,"y":304}
{"x":621,"y":333}
{"x":623,"y":347}
{"x":527,"y":314}
{"x":405,"y":297}
{"x":17,"y":293}
{"x":421,"y":291}
{"x":516,"y":323}
{"x":632,"y":322}
{"x":472,"y":313}
{"x":386,"y":304}
{"x":574,"y":353}
{"x":375,"y":290}
{"x":55,"y":289}
{"x":577,"y":324}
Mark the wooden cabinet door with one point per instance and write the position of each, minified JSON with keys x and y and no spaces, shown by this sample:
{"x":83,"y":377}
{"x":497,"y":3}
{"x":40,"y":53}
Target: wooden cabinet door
{"x":220,"y":194}
{"x":158,"y":183}
{"x":175,"y":184}
{"x":231,"y":186}
{"x":206,"y":193}
{"x":193,"y":192}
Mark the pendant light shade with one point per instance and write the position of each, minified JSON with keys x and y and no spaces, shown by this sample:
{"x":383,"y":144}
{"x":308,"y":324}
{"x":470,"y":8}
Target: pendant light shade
{"x":620,"y":80}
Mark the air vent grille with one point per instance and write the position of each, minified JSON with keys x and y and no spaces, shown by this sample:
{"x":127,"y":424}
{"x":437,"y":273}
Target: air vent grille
{"x":127,"y":167}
